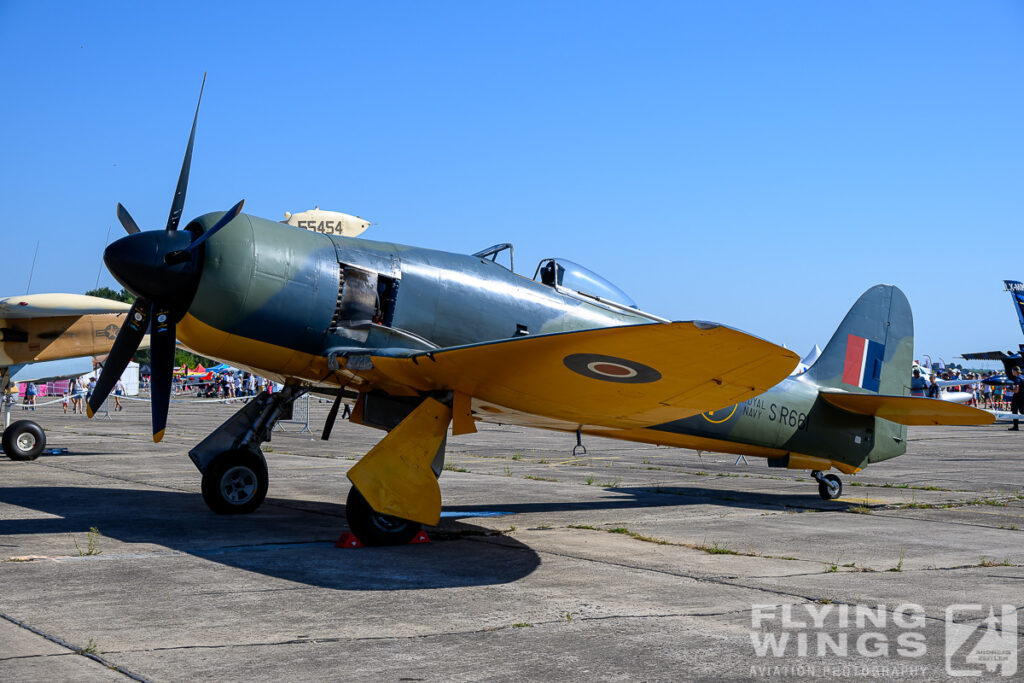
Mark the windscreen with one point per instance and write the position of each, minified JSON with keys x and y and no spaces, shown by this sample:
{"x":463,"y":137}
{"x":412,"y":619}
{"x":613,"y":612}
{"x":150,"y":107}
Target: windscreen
{"x":573,"y":276}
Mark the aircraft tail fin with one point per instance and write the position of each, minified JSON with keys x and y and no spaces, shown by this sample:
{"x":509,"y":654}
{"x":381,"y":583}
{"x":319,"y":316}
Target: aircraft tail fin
{"x":872,"y":350}
{"x":1016,"y":290}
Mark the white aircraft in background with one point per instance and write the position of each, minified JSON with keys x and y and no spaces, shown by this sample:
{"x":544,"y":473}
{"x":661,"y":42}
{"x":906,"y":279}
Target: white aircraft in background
{"x":48,"y":337}
{"x":944,"y":393}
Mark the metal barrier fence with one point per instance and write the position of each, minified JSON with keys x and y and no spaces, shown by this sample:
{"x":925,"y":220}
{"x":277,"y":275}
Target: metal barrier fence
{"x":45,"y":388}
{"x":300,"y":415}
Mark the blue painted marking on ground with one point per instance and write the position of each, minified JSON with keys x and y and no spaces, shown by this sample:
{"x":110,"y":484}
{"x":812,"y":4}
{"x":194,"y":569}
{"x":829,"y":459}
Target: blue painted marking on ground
{"x":451,"y":514}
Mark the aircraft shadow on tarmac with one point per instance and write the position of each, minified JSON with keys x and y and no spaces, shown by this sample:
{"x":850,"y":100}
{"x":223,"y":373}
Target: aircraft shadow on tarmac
{"x":293,"y":539}
{"x":290,"y":540}
{"x":667,"y":496}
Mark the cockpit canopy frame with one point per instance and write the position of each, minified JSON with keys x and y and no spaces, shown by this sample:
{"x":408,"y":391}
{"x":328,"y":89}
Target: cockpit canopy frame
{"x":563,"y":274}
{"x":492,"y":254}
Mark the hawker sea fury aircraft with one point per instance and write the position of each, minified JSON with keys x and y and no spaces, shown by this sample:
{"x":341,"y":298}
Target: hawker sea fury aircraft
{"x":37,"y":329}
{"x":423,"y":340}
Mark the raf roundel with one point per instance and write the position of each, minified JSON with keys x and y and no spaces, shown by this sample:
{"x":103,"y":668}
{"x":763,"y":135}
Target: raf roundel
{"x":611,"y":369}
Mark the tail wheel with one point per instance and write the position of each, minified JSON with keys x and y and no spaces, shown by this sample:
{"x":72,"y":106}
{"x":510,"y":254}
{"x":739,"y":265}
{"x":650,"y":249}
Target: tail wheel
{"x":24,"y":440}
{"x":373,"y":528}
{"x":830,"y":487}
{"x":236,"y":482}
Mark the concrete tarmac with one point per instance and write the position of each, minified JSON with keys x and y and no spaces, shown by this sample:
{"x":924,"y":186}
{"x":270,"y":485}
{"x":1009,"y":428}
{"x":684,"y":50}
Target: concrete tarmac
{"x":629,"y":562}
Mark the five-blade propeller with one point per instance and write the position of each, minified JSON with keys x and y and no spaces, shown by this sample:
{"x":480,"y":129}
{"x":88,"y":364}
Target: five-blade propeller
{"x":162,"y":268}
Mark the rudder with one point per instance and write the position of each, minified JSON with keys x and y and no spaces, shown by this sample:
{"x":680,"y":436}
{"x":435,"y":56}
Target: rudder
{"x":872,"y":350}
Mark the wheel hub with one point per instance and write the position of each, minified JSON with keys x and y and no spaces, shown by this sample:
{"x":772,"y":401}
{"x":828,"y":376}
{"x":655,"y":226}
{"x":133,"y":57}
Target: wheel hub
{"x":387,"y":523}
{"x":238,"y":485}
{"x":26,"y":441}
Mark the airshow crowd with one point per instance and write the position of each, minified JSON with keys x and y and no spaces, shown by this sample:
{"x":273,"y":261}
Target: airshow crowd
{"x":229,"y":384}
{"x":992,"y":390}
{"x":75,"y":393}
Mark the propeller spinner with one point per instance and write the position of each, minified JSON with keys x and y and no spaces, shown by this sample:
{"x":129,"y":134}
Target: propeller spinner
{"x":161,"y":267}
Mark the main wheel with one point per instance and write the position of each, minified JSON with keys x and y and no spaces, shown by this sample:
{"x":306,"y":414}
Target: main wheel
{"x":236,"y":482}
{"x":24,"y":440}
{"x":373,"y":528}
{"x":830,"y":487}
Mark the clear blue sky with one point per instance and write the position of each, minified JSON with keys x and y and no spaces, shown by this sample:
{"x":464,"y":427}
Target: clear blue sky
{"x":755,"y":163}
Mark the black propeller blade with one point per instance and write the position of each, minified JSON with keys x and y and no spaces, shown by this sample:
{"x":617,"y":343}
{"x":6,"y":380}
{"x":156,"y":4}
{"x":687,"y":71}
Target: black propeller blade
{"x":127,"y":341}
{"x":186,"y":253}
{"x":161,"y":349}
{"x":228,"y":216}
{"x":130,"y":226}
{"x":178,"y":203}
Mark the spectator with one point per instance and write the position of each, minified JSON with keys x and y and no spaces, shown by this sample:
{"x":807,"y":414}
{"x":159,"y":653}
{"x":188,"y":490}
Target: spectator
{"x":917,"y":384}
{"x":1017,"y":402}
{"x":30,"y":396}
{"x":119,"y":391}
{"x":75,"y":391}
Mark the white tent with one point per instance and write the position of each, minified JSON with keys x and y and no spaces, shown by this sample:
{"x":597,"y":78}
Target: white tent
{"x":807,"y":361}
{"x":811,"y":356}
{"x":130,"y":378}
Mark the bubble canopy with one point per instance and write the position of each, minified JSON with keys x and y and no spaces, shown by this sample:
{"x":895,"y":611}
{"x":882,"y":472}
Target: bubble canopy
{"x":560,"y":272}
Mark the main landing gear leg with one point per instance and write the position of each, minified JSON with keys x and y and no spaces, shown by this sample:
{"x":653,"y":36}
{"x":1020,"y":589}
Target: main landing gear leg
{"x":830,"y":486}
{"x":394,"y":487}
{"x":235,"y":477}
{"x":6,"y":400}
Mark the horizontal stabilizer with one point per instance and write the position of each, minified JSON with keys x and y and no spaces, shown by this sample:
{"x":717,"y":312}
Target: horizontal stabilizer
{"x":52,"y":370}
{"x":908,"y":410}
{"x":630,"y":376}
{"x":985,"y":355}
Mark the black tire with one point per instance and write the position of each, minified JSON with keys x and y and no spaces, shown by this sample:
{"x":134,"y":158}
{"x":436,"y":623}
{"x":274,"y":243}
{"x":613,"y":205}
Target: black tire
{"x":831,"y":490}
{"x":24,"y":440}
{"x":373,"y":528}
{"x":236,"y":482}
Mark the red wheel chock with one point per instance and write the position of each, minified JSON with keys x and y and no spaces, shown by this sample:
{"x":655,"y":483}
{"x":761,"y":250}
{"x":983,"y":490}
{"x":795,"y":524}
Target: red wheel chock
{"x":350,"y":540}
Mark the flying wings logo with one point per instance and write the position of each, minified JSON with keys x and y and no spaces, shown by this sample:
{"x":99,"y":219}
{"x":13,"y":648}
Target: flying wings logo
{"x":863,"y":366}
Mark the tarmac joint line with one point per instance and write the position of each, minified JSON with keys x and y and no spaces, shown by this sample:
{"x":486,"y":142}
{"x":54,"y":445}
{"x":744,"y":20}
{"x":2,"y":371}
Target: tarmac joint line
{"x":75,"y":650}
